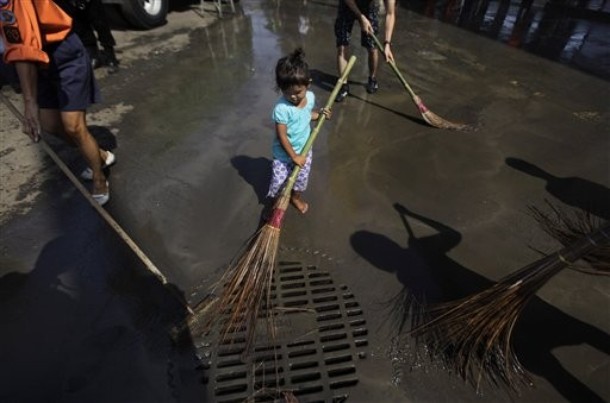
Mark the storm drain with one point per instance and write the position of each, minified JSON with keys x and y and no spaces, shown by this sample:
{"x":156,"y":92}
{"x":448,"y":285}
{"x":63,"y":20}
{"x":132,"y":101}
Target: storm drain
{"x":320,"y":335}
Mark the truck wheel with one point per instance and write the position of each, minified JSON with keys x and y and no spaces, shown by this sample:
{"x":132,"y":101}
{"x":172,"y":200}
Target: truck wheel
{"x":144,"y":14}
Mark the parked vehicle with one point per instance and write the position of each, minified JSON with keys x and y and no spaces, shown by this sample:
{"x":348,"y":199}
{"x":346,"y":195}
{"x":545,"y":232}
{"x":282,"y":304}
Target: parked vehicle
{"x":142,"y":14}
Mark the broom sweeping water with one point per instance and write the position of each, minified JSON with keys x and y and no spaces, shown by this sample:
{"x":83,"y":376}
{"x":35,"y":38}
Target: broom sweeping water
{"x":473,"y":334}
{"x":247,"y":281}
{"x":430,"y":117}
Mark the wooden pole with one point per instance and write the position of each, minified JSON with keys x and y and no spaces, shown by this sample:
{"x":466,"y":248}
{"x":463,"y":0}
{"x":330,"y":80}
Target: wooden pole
{"x":150,"y":266}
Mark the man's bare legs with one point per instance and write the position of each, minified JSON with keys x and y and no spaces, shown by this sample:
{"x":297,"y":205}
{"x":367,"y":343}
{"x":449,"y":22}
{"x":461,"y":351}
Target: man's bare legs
{"x":373,"y":62}
{"x":371,"y":85}
{"x":342,"y":53}
{"x":73,"y":126}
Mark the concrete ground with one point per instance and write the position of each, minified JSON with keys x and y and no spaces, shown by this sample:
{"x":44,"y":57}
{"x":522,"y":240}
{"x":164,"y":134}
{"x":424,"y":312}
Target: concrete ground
{"x":188,"y":117}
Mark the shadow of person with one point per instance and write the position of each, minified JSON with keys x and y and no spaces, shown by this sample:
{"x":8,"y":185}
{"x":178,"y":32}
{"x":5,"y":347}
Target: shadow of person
{"x":425,"y":270}
{"x":387,"y":255}
{"x":541,"y":330}
{"x":429,"y":275}
{"x":85,"y":325}
{"x":155,"y":311}
{"x":323,"y":80}
{"x":43,"y":317}
{"x":105,"y":138}
{"x":327,"y":82}
{"x":256,"y":172}
{"x":576,"y":192}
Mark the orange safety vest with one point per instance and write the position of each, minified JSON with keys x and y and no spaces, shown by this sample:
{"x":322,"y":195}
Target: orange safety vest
{"x":27,"y":25}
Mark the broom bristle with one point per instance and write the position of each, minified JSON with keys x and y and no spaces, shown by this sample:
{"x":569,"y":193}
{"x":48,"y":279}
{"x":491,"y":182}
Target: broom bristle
{"x":473,"y":335}
{"x":567,"y":227}
{"x":245,"y":285}
{"x":436,"y":121}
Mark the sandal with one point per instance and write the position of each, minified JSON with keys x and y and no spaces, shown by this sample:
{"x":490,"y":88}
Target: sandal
{"x":102,"y":198}
{"x":87,"y":173}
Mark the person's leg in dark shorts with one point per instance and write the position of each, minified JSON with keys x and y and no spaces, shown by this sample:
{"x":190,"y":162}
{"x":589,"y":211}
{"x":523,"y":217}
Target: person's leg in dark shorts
{"x":96,"y":15}
{"x":65,"y":90}
{"x":343,"y":29}
{"x":372,"y":14}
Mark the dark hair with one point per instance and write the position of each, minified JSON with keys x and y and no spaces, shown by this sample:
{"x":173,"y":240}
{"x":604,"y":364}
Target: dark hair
{"x":292,"y":70}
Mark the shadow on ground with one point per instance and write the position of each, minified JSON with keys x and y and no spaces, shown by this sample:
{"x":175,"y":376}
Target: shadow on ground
{"x":429,"y":275}
{"x":88,"y":322}
{"x":573,"y":191}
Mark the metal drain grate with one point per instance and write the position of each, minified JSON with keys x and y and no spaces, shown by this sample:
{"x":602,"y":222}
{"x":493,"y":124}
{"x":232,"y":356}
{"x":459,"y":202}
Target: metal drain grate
{"x":320,"y":334}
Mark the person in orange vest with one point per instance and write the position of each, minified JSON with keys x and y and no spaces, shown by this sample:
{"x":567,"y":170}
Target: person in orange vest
{"x":56,"y":80}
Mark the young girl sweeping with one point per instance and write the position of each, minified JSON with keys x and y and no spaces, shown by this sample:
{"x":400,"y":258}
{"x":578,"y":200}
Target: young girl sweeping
{"x":292,"y":116}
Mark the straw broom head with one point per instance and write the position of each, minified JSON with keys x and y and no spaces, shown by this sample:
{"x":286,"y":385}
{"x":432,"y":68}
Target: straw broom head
{"x":473,"y":335}
{"x":245,"y":286}
{"x":429,"y":117}
{"x":245,"y":283}
{"x":436,"y":121}
{"x":566,"y":226}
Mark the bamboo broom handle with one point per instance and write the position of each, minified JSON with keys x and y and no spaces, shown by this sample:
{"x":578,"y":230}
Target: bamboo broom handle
{"x":566,"y":256}
{"x":393,"y":66}
{"x":585,"y":245}
{"x":329,"y":103}
{"x":149,"y":264}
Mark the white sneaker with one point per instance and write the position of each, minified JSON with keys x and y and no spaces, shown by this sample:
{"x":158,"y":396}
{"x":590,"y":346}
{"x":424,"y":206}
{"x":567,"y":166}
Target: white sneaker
{"x":102,"y":198}
{"x":87,"y":173}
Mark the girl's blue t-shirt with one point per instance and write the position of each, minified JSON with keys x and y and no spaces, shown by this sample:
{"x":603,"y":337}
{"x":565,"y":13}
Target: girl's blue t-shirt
{"x":298,"y":124}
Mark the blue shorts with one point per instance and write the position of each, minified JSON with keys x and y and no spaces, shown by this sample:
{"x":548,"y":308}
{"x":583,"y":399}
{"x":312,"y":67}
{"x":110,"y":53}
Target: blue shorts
{"x":345,"y":22}
{"x":281,"y":171}
{"x":68,"y":84}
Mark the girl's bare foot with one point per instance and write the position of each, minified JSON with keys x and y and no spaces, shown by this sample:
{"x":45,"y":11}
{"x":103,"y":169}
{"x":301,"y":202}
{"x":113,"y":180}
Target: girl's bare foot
{"x":300,"y":205}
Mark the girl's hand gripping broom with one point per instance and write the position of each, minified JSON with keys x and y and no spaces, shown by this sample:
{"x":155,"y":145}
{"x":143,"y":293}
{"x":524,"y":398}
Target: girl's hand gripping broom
{"x":430,"y":117}
{"x":246,"y":284}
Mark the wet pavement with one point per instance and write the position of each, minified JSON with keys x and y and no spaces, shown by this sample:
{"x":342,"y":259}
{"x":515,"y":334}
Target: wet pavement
{"x":573,"y":33}
{"x":87,"y":324}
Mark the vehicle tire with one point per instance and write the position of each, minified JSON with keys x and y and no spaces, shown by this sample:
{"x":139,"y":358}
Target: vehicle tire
{"x":145,"y":14}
